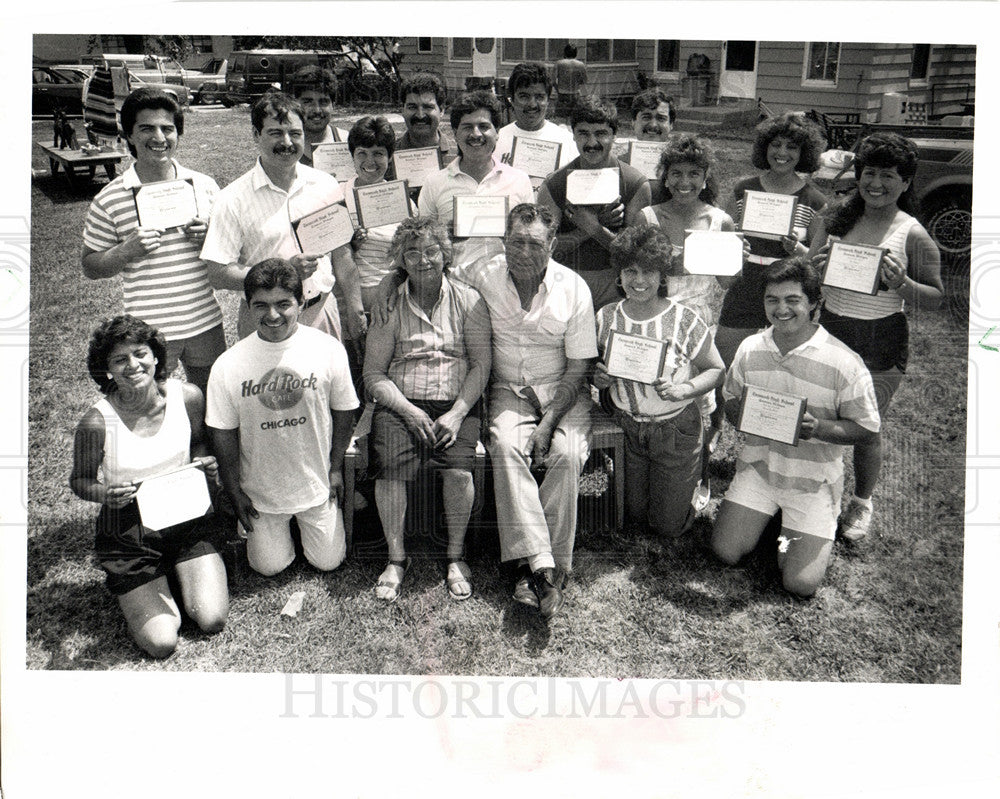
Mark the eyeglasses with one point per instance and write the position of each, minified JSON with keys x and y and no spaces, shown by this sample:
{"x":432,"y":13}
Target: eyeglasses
{"x":416,"y":257}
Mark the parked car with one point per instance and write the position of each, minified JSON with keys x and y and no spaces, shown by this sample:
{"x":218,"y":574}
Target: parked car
{"x":207,"y":84}
{"x":151,"y":68}
{"x":252,"y":73}
{"x":58,"y":86}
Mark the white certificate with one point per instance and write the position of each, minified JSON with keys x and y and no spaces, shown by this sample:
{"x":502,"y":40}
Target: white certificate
{"x":645,"y":156}
{"x":712,"y":252}
{"x":382,"y":203}
{"x":635,"y":358}
{"x":325,"y":230}
{"x":414,"y":166}
{"x":480,"y":216}
{"x":592,"y":186}
{"x":538,"y":157}
{"x":767,"y":215}
{"x":335,"y":159}
{"x":854,"y":267}
{"x":174,"y":497}
{"x":771,"y":414}
{"x":166,"y":204}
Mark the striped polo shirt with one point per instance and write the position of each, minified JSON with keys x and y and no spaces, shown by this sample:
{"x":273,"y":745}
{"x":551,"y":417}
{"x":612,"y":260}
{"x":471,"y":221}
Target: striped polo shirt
{"x":834,"y":382}
{"x":168,"y":288}
{"x":685,"y":333}
{"x":430,"y":360}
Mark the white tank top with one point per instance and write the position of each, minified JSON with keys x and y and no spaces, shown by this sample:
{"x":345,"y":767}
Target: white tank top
{"x":128,"y":457}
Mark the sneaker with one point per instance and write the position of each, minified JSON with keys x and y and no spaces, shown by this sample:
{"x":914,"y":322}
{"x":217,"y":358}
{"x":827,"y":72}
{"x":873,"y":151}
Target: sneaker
{"x":523,"y":592}
{"x":855,"y":522}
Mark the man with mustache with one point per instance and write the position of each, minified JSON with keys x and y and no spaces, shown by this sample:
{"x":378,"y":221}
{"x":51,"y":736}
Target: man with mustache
{"x":423,"y":106}
{"x":252,"y":221}
{"x":653,"y":116}
{"x":315,"y":88}
{"x":585,"y":232}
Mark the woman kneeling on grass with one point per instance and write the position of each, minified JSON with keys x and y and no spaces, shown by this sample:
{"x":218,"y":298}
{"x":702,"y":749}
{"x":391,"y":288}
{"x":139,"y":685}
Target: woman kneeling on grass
{"x":147,"y":425}
{"x":662,"y":423}
{"x":795,"y":356}
{"x":426,"y":369}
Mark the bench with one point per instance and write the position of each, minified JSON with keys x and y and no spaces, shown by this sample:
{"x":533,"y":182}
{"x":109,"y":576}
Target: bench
{"x":72,"y":160}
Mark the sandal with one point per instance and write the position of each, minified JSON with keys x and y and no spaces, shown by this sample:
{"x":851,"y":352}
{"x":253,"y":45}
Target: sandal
{"x":458,"y":580}
{"x":390,"y":581}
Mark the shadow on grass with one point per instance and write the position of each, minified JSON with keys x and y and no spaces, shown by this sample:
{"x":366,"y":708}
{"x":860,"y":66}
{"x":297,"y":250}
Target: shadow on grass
{"x":58,"y":191}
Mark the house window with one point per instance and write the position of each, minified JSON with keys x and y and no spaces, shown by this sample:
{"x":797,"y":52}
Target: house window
{"x":668,"y":57}
{"x":822,"y":60}
{"x":461,"y":49}
{"x":623,"y":49}
{"x":113,"y":44}
{"x":423,"y":44}
{"x":605,"y":51}
{"x":517,"y":50}
{"x":556,"y":47}
{"x":201,"y":44}
{"x":920,"y":69}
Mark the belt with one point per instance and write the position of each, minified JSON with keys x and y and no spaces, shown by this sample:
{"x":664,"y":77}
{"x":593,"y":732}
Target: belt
{"x":313,"y":300}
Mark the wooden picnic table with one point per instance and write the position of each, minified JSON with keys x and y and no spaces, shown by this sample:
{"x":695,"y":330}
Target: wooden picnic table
{"x":73,"y":160}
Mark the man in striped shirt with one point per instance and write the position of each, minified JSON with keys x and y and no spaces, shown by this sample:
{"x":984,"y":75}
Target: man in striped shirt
{"x":795,"y":356}
{"x":165,"y":282}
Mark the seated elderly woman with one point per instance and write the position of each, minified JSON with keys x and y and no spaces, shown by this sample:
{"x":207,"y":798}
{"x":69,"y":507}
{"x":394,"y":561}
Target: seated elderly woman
{"x":147,"y":425}
{"x":426,"y":369}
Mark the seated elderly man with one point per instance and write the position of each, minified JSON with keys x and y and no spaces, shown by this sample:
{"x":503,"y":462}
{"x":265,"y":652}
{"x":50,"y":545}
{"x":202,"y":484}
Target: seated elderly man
{"x":427,"y":368}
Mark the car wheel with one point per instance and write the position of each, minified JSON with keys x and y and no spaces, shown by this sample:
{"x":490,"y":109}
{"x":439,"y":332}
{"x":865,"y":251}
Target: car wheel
{"x":208,"y":96}
{"x":949,"y":222}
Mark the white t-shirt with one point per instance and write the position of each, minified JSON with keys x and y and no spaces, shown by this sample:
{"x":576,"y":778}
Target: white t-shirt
{"x":550,"y":131}
{"x":279,"y":396}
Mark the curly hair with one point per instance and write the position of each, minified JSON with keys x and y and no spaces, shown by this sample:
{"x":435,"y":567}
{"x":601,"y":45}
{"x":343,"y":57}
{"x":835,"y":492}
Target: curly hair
{"x":480,"y":100}
{"x":689,"y":148}
{"x":594,"y":111}
{"x":882,"y":151}
{"x":424,"y":83}
{"x":418,"y":227}
{"x":797,"y":269}
{"x":272,"y":273}
{"x":650,"y":99}
{"x":645,"y":245}
{"x":796,"y":128}
{"x":527,"y":214}
{"x":120,"y":330}
{"x":276,"y":104}
{"x":372,"y":132}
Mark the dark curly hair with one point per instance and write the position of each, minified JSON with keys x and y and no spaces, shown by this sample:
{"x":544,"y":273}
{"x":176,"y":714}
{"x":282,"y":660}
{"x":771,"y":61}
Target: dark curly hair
{"x":118,"y":330}
{"x":276,"y":104}
{"x":882,"y":151}
{"x":594,"y":111}
{"x":479,"y":100}
{"x":689,"y":148}
{"x":424,"y":83}
{"x":650,"y":99}
{"x":797,"y":269}
{"x":272,"y":273}
{"x":796,"y":128}
{"x":645,"y":245}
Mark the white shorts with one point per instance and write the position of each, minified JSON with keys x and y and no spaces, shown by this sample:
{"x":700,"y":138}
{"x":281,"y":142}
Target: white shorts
{"x":270,"y":548}
{"x":813,"y":514}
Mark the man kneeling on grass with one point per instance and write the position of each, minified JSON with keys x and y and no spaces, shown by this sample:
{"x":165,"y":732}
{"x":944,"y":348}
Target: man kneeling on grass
{"x":795,"y":356}
{"x":281,"y":410}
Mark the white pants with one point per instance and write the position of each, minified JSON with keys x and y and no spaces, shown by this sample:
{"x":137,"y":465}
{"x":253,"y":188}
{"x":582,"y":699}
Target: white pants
{"x":270,"y":548}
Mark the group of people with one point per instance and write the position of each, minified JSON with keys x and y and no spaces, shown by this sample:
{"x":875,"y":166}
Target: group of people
{"x":492,"y":337}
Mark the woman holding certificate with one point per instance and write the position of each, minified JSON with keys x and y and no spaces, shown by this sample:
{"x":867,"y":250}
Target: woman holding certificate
{"x":783,"y":147}
{"x":894,"y":263}
{"x":145,"y":429}
{"x":426,"y":369}
{"x":657,"y":359}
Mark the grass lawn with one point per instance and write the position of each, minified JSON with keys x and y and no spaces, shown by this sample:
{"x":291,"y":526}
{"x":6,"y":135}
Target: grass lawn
{"x":890,"y":610}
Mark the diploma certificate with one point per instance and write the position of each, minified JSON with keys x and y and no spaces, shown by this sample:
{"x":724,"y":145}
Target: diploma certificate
{"x":854,"y":267}
{"x":479,"y":217}
{"x":767,"y":215}
{"x":771,"y":414}
{"x":165,"y":204}
{"x":538,"y":157}
{"x":382,"y":203}
{"x":335,"y":159}
{"x":174,"y":497}
{"x":414,"y":166}
{"x":645,"y":156}
{"x":713,"y":252}
{"x":592,"y":186}
{"x":635,"y":357}
{"x":325,"y":230}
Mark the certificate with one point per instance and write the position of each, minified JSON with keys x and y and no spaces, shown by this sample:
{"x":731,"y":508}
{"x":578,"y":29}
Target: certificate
{"x":479,"y":217}
{"x":645,"y":156}
{"x":767,"y":215}
{"x":325,"y":230}
{"x":592,"y":186}
{"x":165,"y":204}
{"x":335,"y":159}
{"x":635,"y":357}
{"x":414,"y":166}
{"x":174,"y":497}
{"x":713,"y":252}
{"x":771,"y":414}
{"x":382,"y":203}
{"x":538,"y":157}
{"x":854,"y":267}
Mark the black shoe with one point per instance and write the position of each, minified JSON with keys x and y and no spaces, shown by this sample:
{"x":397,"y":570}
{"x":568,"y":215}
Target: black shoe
{"x":523,"y":591}
{"x":550,"y":598}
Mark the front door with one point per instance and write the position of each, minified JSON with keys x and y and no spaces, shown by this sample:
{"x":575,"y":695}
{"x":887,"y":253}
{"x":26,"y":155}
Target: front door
{"x":738,"y":71}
